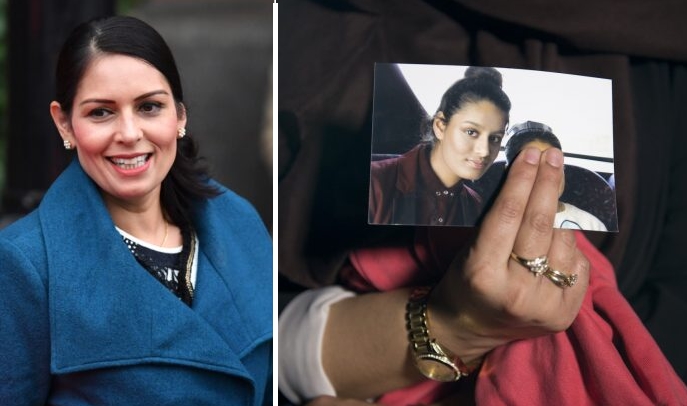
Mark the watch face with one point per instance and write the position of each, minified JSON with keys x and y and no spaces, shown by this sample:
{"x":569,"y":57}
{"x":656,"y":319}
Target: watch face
{"x":437,"y":369}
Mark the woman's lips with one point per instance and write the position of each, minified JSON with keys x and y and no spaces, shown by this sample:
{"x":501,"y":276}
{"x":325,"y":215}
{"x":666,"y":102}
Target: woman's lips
{"x":130,"y":163}
{"x":479,"y":164}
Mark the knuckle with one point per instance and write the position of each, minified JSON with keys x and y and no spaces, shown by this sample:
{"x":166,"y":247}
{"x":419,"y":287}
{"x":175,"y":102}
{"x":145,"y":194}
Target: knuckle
{"x":479,"y":280}
{"x":515,"y":304}
{"x":581,"y":266}
{"x":583,"y":271}
{"x":521,"y":172}
{"x":559,"y":321}
{"x":567,"y":238}
{"x":541,"y":223}
{"x":584,"y":264}
{"x":562,"y":323}
{"x":510,"y":211}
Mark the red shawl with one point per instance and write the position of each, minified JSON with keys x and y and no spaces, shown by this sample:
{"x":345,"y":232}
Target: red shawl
{"x":607,"y":356}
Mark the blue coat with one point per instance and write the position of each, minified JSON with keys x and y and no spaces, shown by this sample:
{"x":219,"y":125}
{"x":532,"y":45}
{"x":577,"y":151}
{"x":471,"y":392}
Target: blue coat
{"x":82,"y":323}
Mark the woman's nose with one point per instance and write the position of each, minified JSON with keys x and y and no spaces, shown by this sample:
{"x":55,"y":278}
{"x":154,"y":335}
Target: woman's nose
{"x":481,"y":146}
{"x":129,"y":131}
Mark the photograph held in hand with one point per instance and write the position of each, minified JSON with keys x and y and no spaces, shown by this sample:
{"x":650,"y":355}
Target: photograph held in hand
{"x":440,"y":137}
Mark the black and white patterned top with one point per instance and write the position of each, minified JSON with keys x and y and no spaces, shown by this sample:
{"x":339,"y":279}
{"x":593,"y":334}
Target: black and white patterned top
{"x":164,"y":264}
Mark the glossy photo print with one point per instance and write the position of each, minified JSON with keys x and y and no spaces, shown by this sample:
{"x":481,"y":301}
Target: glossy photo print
{"x":443,"y":136}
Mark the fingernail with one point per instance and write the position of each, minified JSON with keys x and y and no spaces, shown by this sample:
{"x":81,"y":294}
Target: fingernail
{"x":532,"y":155}
{"x":554,"y":157}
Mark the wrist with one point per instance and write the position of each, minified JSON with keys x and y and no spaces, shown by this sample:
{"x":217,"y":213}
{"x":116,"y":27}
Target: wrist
{"x":457,"y":328}
{"x":431,"y":358}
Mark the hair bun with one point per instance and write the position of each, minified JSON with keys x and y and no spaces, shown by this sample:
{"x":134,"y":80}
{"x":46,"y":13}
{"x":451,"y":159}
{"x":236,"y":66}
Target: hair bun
{"x":485,"y":73}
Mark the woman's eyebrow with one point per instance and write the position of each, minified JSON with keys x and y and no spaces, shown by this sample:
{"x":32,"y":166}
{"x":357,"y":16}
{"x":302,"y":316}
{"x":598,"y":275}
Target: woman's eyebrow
{"x":153,"y":93}
{"x":474,"y":124}
{"x":103,"y":101}
{"x":108,"y":101}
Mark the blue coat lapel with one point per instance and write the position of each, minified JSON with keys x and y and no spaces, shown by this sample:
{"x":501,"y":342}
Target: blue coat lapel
{"x":106,"y":310}
{"x":244,"y":252}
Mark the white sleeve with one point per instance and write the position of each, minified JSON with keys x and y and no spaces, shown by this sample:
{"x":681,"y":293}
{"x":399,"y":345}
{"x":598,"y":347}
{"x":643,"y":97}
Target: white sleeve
{"x":301,"y":329}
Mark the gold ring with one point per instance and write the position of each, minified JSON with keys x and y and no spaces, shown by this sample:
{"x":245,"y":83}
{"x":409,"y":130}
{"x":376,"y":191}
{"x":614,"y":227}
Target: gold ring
{"x":536,"y":265}
{"x":560,"y":279}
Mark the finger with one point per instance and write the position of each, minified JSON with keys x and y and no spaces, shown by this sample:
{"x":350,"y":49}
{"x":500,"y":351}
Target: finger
{"x":566,"y":258}
{"x":563,"y":250}
{"x":581,"y":268}
{"x":501,"y":224}
{"x":545,"y":305}
{"x":536,"y":230}
{"x":562,"y":258}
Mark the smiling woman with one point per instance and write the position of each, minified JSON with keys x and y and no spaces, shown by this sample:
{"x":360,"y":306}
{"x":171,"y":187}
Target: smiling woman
{"x":427,"y":185}
{"x":126,"y":262}
{"x":124,"y":127}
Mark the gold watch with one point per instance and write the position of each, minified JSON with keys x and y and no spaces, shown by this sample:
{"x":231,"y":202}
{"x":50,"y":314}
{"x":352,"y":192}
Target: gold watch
{"x":432,"y":360}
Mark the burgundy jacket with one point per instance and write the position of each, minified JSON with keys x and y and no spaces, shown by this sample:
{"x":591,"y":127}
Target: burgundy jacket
{"x":405,"y":190}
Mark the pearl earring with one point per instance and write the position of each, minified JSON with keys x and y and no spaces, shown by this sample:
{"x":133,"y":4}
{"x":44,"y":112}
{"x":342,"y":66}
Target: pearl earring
{"x":67,"y":144}
{"x":182,"y":132}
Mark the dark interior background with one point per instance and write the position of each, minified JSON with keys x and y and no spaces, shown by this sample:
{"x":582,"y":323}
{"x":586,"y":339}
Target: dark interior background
{"x":327,"y":51}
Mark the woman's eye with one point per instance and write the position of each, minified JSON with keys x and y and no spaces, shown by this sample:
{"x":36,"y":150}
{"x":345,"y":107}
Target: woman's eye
{"x":99,"y":113}
{"x":471,"y":132}
{"x":150,"y":107}
{"x":495,"y":139}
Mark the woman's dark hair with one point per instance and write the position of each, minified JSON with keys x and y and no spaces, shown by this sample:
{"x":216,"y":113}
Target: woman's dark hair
{"x":187,"y":180}
{"x":524,"y":133}
{"x":478,"y":84}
